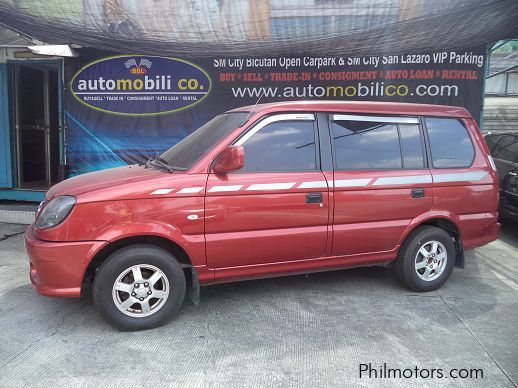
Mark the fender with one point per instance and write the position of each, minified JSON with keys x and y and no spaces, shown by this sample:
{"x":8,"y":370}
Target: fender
{"x":193,"y":245}
{"x":433,"y":214}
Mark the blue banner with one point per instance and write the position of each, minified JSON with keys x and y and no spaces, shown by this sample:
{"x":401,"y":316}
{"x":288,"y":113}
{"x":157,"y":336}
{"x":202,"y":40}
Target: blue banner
{"x":123,"y":109}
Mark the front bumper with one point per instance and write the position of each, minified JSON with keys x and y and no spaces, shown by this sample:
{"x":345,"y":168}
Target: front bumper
{"x":57,"y":268}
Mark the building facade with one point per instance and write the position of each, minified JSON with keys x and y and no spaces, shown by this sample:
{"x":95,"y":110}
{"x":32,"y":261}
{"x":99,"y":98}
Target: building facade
{"x":501,"y":98}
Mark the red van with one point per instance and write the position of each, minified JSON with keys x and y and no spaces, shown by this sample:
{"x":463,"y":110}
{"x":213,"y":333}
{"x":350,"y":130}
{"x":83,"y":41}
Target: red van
{"x":270,"y":190}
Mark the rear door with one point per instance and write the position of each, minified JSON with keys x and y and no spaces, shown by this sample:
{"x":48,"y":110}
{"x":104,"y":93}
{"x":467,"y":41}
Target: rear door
{"x":381,"y":181}
{"x":276,"y":208}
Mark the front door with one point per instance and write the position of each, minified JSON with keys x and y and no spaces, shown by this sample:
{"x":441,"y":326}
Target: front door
{"x":381,"y":181}
{"x":36,"y":124}
{"x":276,"y":208}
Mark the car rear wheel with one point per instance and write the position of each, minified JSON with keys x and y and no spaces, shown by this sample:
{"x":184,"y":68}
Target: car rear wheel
{"x":139,"y":287}
{"x":426,"y":259}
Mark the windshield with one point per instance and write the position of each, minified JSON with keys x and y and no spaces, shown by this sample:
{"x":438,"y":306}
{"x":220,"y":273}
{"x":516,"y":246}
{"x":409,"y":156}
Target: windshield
{"x":188,"y":151}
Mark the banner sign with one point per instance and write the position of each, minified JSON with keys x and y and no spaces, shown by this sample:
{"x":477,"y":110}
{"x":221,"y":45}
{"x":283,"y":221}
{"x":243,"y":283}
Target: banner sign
{"x":140,"y":85}
{"x":123,"y":109}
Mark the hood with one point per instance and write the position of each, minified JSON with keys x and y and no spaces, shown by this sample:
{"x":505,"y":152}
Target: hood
{"x":128,"y":182}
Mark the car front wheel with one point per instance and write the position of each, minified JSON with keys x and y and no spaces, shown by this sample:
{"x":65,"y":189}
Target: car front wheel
{"x":139,"y":287}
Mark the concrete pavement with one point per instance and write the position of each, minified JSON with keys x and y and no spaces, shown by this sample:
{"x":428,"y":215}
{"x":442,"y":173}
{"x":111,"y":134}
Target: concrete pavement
{"x":293,"y":331}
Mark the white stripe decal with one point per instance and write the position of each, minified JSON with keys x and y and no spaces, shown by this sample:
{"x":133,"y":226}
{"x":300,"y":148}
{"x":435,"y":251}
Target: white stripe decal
{"x":352,"y":182}
{"x":394,"y":180}
{"x":403,"y":180}
{"x":458,"y":177}
{"x":162,"y":191}
{"x":271,"y":186}
{"x":190,"y":190}
{"x":312,"y":185}
{"x":214,"y":189}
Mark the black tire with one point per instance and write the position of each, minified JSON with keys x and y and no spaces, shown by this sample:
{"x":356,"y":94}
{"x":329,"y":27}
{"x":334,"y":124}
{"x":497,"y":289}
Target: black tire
{"x":405,"y":264}
{"x":123,"y":260}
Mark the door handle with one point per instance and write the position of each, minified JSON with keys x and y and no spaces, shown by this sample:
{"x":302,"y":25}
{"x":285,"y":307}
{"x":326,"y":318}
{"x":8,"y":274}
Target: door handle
{"x":314,"y":198}
{"x":417,"y":192}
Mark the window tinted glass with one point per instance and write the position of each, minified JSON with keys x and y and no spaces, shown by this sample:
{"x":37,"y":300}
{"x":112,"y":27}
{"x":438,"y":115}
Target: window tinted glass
{"x":450,"y":143}
{"x":366,"y":145}
{"x":185,"y":153}
{"x":411,"y":146}
{"x":282,"y":146}
{"x":512,"y":83}
{"x":507,"y":149}
{"x":491,"y":141}
{"x":496,"y":84}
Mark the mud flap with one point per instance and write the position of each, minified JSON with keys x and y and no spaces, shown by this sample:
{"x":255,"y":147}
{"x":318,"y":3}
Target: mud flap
{"x":194,"y":290}
{"x":459,"y":257}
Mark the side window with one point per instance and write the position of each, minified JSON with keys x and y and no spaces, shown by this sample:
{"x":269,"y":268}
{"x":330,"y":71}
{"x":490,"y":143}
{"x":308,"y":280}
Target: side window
{"x":368,"y":145}
{"x":281,"y":146}
{"x":361,"y":145}
{"x":508,"y":149}
{"x":411,"y":146}
{"x":450,"y":143}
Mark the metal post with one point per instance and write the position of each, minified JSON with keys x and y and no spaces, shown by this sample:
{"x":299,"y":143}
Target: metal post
{"x":486,"y":71}
{"x":46,"y":126}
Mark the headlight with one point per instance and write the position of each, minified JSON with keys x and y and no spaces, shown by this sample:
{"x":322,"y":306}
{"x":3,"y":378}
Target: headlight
{"x":55,"y":212}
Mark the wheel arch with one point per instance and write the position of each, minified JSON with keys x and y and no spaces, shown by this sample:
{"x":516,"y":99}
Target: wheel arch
{"x":163,"y":242}
{"x":445,"y":221}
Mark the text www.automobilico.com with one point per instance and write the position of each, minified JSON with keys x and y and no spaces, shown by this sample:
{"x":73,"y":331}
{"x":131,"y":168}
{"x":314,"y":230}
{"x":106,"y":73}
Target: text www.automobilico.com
{"x":371,"y":89}
{"x":369,"y":371}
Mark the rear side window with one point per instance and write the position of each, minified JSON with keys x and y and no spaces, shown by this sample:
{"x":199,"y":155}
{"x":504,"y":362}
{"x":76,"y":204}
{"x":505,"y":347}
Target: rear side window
{"x":450,"y":144}
{"x":372,"y":145}
{"x":281,"y":146}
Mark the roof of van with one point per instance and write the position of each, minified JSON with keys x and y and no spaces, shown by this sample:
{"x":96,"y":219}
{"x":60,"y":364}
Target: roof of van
{"x":359,"y":107}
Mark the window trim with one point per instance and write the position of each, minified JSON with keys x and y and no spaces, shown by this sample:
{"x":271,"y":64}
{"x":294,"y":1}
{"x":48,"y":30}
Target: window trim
{"x":310,"y":117}
{"x":429,"y":143}
{"x":425,"y":144}
{"x":396,"y":120}
{"x":376,"y":119}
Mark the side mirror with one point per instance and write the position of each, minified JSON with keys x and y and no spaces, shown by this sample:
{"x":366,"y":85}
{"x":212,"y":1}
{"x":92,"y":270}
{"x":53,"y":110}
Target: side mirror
{"x":232,"y":158}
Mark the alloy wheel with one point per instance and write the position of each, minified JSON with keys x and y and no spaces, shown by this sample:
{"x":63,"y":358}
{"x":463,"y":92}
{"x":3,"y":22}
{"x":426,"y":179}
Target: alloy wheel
{"x":430,"y":260}
{"x":140,"y":290}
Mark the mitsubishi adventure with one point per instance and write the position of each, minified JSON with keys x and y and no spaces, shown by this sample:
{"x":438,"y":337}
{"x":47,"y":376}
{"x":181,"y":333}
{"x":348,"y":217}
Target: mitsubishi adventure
{"x":275,"y":189}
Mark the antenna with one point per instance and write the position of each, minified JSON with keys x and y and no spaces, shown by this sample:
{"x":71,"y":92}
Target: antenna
{"x":252,"y":110}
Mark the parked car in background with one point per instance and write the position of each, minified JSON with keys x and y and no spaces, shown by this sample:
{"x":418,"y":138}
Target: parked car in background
{"x":276,"y":189}
{"x":504,"y":149}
